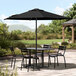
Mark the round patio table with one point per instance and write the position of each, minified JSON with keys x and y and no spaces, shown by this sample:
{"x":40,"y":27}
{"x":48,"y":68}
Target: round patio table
{"x":39,"y":49}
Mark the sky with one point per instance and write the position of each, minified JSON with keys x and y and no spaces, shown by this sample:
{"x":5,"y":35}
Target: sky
{"x":11,"y":7}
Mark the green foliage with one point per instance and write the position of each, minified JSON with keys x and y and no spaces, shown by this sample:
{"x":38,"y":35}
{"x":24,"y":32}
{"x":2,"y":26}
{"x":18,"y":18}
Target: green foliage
{"x":14,"y":36}
{"x":4,"y":42}
{"x":6,"y":71}
{"x":55,"y":45}
{"x":18,"y":32}
{"x":29,"y":35}
{"x":54,"y":36}
{"x":2,"y":52}
{"x":64,"y":43}
{"x":18,"y":44}
{"x":3,"y":29}
{"x":17,"y":51}
{"x":71,"y":12}
{"x":73,"y":45}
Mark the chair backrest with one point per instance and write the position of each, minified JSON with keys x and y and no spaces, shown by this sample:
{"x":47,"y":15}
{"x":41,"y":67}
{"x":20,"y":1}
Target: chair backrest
{"x":62,"y":49}
{"x":12,"y":50}
{"x":46,"y":46}
{"x":24,"y":52}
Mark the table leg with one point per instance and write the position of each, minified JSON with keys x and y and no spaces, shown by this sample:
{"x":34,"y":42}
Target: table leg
{"x":30,"y":58}
{"x":42,"y":58}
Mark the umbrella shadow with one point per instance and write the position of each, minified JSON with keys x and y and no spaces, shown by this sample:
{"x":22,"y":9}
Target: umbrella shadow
{"x":60,"y":67}
{"x":51,"y":67}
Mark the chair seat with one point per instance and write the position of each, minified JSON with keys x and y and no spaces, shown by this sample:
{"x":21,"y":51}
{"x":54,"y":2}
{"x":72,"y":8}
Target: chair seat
{"x":35,"y":57}
{"x":53,"y":55}
{"x":27,"y":56}
{"x":60,"y":54}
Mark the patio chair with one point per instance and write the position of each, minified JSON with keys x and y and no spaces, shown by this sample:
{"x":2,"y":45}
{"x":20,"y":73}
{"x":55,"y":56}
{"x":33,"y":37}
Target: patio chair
{"x":47,"y":46}
{"x":36,"y":60}
{"x":61,"y":52}
{"x":25,"y":55}
{"x":13,"y":60}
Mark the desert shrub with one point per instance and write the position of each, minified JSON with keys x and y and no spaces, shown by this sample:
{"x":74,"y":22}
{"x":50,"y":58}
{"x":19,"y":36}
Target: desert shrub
{"x":64,"y":43}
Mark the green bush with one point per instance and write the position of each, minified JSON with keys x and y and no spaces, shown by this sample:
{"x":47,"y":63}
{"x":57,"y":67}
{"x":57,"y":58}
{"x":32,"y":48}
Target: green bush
{"x":55,"y":45}
{"x":68,"y":46}
{"x":51,"y":36}
{"x":4,"y":43}
{"x":18,"y":44}
{"x":73,"y":45}
{"x":64,"y":43}
{"x":3,"y":52}
{"x":17,"y":51}
{"x":14,"y":36}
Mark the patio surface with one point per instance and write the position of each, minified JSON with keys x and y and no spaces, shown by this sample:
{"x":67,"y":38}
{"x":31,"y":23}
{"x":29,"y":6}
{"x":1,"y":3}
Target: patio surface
{"x":60,"y":70}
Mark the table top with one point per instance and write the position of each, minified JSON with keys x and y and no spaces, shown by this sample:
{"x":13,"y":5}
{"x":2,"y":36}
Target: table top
{"x":32,"y":48}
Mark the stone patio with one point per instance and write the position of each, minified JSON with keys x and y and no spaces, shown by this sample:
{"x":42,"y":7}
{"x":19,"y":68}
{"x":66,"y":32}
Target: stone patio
{"x":60,"y":70}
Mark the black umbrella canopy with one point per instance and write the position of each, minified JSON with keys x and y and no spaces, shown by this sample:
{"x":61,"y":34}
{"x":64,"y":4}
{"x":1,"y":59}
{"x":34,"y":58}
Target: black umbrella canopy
{"x":36,"y":14}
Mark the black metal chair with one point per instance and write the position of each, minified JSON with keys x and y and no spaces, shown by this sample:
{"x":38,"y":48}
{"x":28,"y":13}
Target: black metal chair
{"x":35,"y":62}
{"x":60,"y":52}
{"x":13,"y":60}
{"x":26,"y":54}
{"x":47,"y":46}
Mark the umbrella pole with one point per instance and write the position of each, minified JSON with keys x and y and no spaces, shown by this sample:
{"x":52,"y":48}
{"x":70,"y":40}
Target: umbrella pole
{"x":36,"y":37}
{"x":36,"y":42}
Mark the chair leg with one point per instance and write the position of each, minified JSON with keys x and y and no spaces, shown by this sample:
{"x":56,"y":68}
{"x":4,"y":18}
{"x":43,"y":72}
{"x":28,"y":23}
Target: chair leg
{"x":22,"y":63}
{"x":39,"y":64}
{"x":14,"y":63}
{"x":57,"y":61}
{"x":33,"y":64}
{"x":11,"y":61}
{"x":49,"y":61}
{"x":26,"y":62}
{"x":64,"y":61}
{"x":54,"y":62}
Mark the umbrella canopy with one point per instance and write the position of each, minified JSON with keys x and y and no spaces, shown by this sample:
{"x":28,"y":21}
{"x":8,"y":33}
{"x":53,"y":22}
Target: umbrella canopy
{"x":36,"y":14}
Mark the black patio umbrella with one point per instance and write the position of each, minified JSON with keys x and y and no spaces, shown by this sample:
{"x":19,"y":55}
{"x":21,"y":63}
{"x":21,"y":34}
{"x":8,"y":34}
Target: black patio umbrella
{"x":36,"y":14}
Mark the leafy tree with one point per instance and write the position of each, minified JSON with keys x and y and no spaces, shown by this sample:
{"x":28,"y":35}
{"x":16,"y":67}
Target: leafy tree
{"x":17,"y":32}
{"x":3,"y":29}
{"x":71,"y":12}
{"x":43,"y":29}
{"x":56,"y":26}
